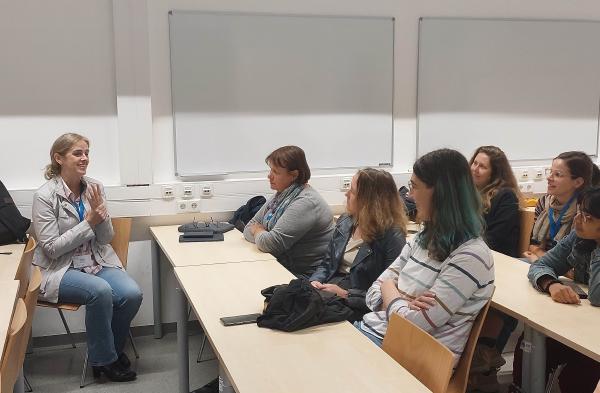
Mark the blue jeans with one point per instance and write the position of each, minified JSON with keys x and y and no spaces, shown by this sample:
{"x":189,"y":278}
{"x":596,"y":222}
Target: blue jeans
{"x":376,"y":340}
{"x":111,"y":299}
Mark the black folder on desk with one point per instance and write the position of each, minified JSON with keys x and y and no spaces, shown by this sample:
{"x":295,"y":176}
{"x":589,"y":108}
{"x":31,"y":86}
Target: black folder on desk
{"x":204,"y":236}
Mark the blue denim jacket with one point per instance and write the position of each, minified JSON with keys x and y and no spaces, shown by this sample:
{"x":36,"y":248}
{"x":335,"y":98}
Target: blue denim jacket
{"x":370,"y":261}
{"x":566,"y":255}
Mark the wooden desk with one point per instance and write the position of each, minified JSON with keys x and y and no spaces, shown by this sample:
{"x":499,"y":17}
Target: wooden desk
{"x":573,"y":325}
{"x":333,"y":357}
{"x":7,"y":306}
{"x":233,"y":249}
{"x":10,"y":263}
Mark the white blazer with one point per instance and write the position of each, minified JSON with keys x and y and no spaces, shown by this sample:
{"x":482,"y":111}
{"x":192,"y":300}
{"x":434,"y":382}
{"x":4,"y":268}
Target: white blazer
{"x":59,"y":233}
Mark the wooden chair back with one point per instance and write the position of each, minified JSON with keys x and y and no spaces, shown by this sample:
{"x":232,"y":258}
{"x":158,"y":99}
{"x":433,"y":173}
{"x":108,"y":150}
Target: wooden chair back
{"x":10,"y":368}
{"x":24,"y":268}
{"x":527,"y":217}
{"x":419,"y":353}
{"x":458,"y":383}
{"x":120,"y":241}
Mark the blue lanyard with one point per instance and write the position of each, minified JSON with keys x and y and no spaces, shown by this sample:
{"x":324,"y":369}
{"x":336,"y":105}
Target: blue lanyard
{"x":555,"y":225}
{"x":80,"y":209}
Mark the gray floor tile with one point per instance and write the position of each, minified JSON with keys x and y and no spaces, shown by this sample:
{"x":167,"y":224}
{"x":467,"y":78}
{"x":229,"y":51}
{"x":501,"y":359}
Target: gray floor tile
{"x":58,"y":370}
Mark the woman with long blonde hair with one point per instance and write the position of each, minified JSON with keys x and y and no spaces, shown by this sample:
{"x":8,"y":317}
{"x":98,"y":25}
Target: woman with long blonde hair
{"x":366,"y":239}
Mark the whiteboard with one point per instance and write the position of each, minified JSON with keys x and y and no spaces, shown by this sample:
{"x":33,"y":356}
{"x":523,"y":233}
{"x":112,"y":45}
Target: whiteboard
{"x":530,"y":87}
{"x":245,"y":84}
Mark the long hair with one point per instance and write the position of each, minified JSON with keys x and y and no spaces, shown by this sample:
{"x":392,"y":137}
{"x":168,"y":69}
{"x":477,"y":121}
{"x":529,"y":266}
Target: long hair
{"x":502,"y":176}
{"x":580,"y":165}
{"x":61,"y":145}
{"x":589,"y":203}
{"x":456,"y":211}
{"x":291,"y":158}
{"x":378,"y":204}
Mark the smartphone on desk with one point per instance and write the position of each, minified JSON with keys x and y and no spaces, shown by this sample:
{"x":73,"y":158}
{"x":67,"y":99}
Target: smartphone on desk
{"x":239,"y":319}
{"x":578,"y":290}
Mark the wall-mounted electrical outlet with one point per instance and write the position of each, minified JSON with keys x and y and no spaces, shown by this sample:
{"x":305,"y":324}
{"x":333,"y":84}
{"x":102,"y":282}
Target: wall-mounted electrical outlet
{"x":167,"y":192}
{"x":206,"y":191}
{"x":526,"y":187}
{"x":345,"y":183}
{"x":523,"y":175}
{"x":182,"y":206}
{"x":539,"y":174}
{"x":188,"y":205}
{"x":194,"y":205}
{"x":188,"y":191}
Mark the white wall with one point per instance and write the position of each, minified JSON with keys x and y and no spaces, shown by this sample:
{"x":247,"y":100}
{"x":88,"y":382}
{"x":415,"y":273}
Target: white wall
{"x":122,"y":88}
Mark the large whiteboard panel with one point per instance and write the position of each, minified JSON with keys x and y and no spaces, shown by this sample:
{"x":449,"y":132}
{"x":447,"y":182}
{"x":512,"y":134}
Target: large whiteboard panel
{"x":243,"y":85}
{"x":529,"y":87}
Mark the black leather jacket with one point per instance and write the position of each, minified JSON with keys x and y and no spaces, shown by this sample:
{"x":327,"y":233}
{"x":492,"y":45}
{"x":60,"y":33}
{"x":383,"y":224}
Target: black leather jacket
{"x":371,"y":260}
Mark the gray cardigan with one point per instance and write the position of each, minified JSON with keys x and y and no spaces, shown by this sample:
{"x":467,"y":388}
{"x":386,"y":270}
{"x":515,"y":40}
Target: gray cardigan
{"x":59,"y":233}
{"x":301,"y":235}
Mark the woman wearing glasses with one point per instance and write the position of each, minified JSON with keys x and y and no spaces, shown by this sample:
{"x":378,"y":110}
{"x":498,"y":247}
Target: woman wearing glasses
{"x":578,"y":251}
{"x":445,"y":274}
{"x":571,"y":172}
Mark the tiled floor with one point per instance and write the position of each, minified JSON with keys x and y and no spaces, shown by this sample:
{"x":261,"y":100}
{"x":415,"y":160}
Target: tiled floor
{"x":58,"y":369}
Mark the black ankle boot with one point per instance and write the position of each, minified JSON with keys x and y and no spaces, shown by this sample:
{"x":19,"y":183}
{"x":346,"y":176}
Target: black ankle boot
{"x":114,"y":372}
{"x":124,"y":361}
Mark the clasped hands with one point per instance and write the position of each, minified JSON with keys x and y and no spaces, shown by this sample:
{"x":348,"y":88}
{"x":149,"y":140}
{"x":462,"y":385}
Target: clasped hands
{"x":97,"y":212}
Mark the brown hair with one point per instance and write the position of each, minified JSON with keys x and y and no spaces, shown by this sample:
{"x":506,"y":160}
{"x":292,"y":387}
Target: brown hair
{"x":378,"y":204}
{"x":61,"y":145}
{"x":580,"y":165}
{"x":502,"y":175}
{"x":291,"y":158}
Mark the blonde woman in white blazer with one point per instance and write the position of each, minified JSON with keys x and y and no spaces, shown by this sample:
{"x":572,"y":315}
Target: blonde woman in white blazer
{"x":74,"y":232}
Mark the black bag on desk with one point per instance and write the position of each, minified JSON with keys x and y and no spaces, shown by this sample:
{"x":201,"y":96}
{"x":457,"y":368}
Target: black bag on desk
{"x":246,"y":212}
{"x":13,"y":225}
{"x":299,"y":305}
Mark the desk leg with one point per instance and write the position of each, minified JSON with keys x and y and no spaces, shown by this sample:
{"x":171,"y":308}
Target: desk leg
{"x":156,"y":299}
{"x":534,"y":361}
{"x":526,"y":362}
{"x":538,"y":363}
{"x":182,"y":342}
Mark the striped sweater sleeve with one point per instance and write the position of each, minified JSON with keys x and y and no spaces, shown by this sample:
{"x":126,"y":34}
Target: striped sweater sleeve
{"x":373,"y":297}
{"x":460,"y":277}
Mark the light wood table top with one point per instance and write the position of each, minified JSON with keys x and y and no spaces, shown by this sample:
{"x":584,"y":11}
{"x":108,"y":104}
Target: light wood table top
{"x":573,"y":325}
{"x":10,"y":263}
{"x":333,"y":357}
{"x":234,"y":249}
{"x":7,"y":306}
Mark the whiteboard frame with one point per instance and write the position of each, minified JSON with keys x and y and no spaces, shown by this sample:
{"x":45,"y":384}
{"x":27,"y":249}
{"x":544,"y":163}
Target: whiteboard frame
{"x":215,"y":175}
{"x":595,"y":154}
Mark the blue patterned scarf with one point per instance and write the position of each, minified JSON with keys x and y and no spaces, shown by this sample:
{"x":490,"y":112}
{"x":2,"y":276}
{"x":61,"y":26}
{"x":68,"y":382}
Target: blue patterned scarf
{"x":279,"y":203}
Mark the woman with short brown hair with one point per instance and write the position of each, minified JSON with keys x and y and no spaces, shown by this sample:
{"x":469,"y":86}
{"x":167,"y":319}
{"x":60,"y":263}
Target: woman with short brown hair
{"x":295,"y":224}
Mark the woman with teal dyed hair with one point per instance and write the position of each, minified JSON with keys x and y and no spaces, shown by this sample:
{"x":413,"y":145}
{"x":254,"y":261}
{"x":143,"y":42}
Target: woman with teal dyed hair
{"x":445,"y":274}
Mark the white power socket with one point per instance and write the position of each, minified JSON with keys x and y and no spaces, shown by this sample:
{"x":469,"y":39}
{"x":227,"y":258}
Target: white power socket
{"x":345,"y":184}
{"x":188,"y":205}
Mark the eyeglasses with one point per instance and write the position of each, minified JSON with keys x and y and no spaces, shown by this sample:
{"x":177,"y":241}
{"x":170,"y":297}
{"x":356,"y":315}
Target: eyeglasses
{"x":557,"y":174}
{"x":584,"y":216}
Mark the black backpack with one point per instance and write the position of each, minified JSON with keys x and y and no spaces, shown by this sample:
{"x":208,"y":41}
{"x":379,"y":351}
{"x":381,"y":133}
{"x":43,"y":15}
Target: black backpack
{"x":246,"y":212}
{"x":13,"y":225}
{"x":299,"y":305}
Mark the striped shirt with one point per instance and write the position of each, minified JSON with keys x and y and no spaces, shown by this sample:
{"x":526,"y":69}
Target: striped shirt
{"x":462,"y":283}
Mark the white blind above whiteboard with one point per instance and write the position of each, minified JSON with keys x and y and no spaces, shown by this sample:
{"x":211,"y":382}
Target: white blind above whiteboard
{"x":530,"y":87}
{"x":243,"y":85}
